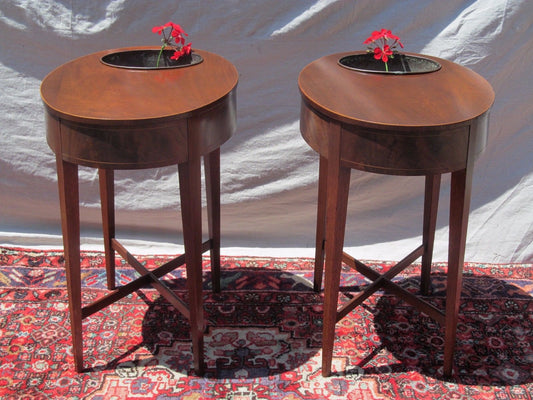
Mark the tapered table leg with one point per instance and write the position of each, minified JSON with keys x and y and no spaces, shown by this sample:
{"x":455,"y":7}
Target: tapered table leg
{"x":321,"y":223}
{"x":459,"y":208}
{"x":338,"y":185}
{"x":190,"y":194}
{"x":67,"y":174}
{"x":212,"y":183}
{"x":431,"y":203}
{"x":107,"y":200}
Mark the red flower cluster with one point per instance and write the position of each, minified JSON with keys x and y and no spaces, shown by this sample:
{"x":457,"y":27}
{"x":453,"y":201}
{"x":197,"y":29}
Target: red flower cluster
{"x":382,"y":50}
{"x":175,"y":39}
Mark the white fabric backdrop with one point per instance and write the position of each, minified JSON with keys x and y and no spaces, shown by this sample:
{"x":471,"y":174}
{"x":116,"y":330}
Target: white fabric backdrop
{"x":269,"y":175}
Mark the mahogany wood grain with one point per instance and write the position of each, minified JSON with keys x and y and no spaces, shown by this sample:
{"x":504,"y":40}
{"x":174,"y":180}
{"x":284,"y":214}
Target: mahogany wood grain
{"x":107,"y":201}
{"x":130,"y":119}
{"x":67,"y":177}
{"x":146,"y":279}
{"x":113,"y":118}
{"x":431,"y":205}
{"x":320,"y":246}
{"x":338,"y":181}
{"x":212,"y":183}
{"x":191,"y":213}
{"x":420,"y":124}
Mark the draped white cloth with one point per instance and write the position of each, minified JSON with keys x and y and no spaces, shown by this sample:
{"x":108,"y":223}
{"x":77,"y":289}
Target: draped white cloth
{"x":269,"y":174}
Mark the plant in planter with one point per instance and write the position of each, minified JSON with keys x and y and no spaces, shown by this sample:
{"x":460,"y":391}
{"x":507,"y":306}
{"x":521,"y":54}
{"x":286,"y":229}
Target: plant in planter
{"x":174,"y":53}
{"x":173,"y":38}
{"x":382,"y":57}
{"x":379,"y":45}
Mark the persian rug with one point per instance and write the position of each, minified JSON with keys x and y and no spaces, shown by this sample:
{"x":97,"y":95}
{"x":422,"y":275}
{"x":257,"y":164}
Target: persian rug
{"x":263,"y":337}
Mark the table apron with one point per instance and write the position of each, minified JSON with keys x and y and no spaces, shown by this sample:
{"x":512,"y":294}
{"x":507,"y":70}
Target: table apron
{"x":145,"y":143}
{"x":420,"y":151}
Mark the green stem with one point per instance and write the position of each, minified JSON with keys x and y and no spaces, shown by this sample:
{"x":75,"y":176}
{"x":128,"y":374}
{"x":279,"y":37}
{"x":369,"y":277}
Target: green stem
{"x":387,"y":67}
{"x":159,"y":56}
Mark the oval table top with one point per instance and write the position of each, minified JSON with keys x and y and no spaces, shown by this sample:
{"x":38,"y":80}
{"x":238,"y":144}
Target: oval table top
{"x":452,"y":95}
{"x":86,"y":90}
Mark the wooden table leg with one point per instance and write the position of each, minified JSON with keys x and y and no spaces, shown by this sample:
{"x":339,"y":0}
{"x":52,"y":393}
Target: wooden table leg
{"x":107,"y":200}
{"x":191,"y":207}
{"x":67,"y":175}
{"x":321,"y":223}
{"x":459,"y":208}
{"x":212,"y":183}
{"x":431,"y":204}
{"x":338,"y":185}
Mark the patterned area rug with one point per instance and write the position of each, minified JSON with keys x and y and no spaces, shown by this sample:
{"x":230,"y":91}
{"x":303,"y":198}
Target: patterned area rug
{"x":264,"y":335}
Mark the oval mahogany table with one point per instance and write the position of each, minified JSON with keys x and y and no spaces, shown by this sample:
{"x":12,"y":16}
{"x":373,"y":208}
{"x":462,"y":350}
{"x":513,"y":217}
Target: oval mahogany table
{"x":113,"y":118}
{"x":419,"y":124}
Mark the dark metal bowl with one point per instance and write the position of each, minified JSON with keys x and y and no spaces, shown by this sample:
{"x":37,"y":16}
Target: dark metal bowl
{"x":147,"y":59}
{"x":399,"y":65}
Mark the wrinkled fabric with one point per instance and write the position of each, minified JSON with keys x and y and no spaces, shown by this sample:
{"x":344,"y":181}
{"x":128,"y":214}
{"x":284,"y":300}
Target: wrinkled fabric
{"x":268,"y":173}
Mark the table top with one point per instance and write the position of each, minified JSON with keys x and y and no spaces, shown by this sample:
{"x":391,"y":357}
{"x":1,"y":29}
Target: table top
{"x":86,"y":90}
{"x":452,"y":95}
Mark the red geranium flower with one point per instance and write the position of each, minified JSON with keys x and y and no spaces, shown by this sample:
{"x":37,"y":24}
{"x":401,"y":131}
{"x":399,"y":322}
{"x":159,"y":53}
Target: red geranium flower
{"x":178,"y":34}
{"x":384,"y":54}
{"x":174,"y":39}
{"x":387,"y":34}
{"x":182,"y":52}
{"x":379,"y":41}
{"x":375,"y":36}
{"x":160,"y":29}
